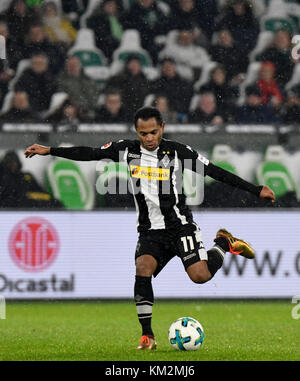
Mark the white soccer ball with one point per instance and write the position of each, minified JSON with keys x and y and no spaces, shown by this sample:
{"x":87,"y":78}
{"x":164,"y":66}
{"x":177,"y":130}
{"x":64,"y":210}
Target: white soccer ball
{"x":186,"y":334}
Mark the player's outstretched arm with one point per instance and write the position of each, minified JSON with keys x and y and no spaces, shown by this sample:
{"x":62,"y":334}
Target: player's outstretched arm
{"x":227,"y":177}
{"x":108,"y":151}
{"x":36,"y":149}
{"x":73,"y":153}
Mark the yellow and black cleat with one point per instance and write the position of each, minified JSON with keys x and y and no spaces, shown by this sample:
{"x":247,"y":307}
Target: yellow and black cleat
{"x":237,"y":246}
{"x":147,"y":343}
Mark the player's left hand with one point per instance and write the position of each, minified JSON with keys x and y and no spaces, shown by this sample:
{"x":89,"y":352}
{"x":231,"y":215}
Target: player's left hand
{"x":267,"y":193}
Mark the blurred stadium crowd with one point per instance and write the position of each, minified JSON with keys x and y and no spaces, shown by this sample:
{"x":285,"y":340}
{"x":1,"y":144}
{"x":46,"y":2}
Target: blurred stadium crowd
{"x":210,"y":62}
{"x":198,"y":61}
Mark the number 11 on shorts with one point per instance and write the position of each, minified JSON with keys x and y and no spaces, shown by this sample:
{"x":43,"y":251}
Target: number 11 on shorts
{"x":185,"y":241}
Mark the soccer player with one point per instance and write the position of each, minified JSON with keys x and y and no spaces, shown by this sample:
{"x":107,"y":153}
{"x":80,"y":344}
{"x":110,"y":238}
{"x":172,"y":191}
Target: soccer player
{"x":164,"y":221}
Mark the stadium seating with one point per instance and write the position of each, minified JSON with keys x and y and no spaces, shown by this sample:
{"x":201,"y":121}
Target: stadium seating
{"x":275,"y":24}
{"x":4,"y":5}
{"x":259,"y":6}
{"x":205,"y":75}
{"x":194,"y":102}
{"x":251,"y":77}
{"x":295,"y":80}
{"x":68,"y":184}
{"x":265,"y":38}
{"x":164,"y":7}
{"x":127,"y":4}
{"x":130,"y":45}
{"x":93,"y":61}
{"x":186,"y":59}
{"x":149,"y":99}
{"x":57,"y":100}
{"x":22,"y":66}
{"x":35,"y":166}
{"x":57,"y":3}
{"x":275,"y":8}
{"x":274,"y":172}
{"x":222,"y":157}
{"x":278,"y":16}
{"x":92,"y":5}
{"x":7,"y":102}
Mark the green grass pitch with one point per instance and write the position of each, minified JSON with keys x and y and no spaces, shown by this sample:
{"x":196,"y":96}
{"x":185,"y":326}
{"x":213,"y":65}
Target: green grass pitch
{"x":109,"y":330}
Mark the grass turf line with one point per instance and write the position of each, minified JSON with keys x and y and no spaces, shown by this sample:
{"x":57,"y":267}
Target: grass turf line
{"x":84,"y":331}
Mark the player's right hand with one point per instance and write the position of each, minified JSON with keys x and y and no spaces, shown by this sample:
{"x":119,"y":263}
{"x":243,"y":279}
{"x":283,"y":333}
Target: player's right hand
{"x":36,"y":149}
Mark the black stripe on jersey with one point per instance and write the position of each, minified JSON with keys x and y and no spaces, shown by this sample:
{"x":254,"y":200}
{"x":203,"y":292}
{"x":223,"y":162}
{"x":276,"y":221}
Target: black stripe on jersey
{"x":134,"y":158}
{"x":143,"y":214}
{"x":168,"y":200}
{"x":181,"y":152}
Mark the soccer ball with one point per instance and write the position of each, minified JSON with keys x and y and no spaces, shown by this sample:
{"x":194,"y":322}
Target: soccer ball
{"x":186,"y":334}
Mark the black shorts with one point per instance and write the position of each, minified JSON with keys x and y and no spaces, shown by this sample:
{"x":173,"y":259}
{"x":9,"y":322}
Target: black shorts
{"x":165,"y":244}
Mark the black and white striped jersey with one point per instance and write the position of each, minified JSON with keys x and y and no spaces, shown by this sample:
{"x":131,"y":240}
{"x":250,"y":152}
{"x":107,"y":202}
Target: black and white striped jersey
{"x":156,"y":181}
{"x":156,"y":178}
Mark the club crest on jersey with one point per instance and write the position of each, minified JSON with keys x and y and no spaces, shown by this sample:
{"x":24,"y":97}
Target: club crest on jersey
{"x":106,"y":145}
{"x":165,"y":161}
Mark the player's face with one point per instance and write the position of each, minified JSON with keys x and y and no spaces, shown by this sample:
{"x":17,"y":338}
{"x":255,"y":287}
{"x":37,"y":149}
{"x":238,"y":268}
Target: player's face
{"x":149,"y":133}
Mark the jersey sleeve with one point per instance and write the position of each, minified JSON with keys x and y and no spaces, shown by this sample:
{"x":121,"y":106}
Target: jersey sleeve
{"x":112,"y":150}
{"x":229,"y":178}
{"x":191,"y":159}
{"x":198,"y":163}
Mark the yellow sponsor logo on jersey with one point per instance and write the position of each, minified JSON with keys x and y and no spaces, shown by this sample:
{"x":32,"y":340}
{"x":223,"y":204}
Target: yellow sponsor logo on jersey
{"x":149,"y":173}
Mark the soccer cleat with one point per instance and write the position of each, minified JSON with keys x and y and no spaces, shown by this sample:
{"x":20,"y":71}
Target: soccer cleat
{"x":147,"y":343}
{"x":237,"y":246}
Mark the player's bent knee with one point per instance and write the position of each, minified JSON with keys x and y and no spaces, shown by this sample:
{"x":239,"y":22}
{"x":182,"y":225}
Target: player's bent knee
{"x":198,"y":274}
{"x":145,"y":265}
{"x":143,"y":270}
{"x":199,"y":278}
